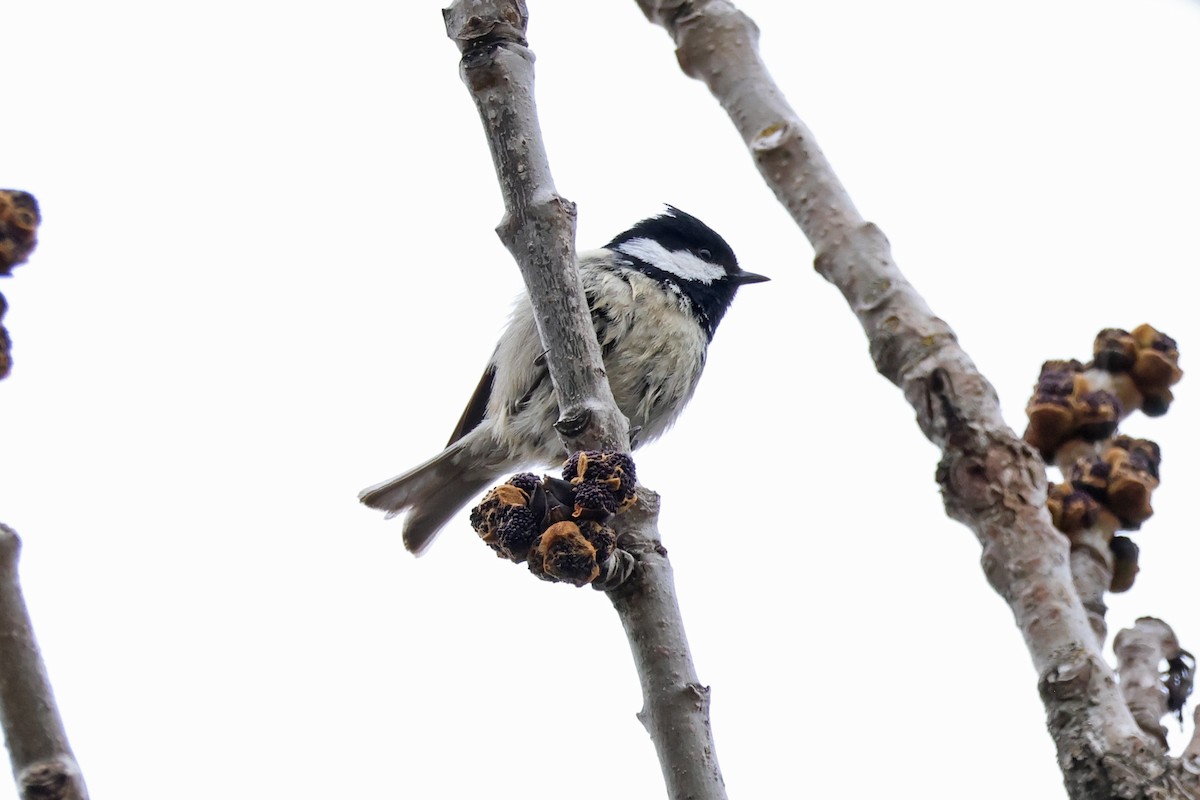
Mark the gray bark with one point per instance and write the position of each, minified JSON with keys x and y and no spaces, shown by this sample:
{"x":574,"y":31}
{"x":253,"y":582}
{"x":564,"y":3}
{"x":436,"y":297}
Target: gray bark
{"x":538,"y":229}
{"x":43,"y":765}
{"x":992,"y":481}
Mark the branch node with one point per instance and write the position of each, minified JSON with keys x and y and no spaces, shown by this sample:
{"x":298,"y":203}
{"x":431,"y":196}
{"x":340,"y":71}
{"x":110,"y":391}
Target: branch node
{"x":1066,"y":680}
{"x":574,"y":425}
{"x":56,"y":778}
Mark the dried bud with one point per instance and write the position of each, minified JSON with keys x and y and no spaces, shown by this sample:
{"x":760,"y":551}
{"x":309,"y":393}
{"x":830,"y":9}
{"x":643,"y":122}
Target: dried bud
{"x":508,"y":519}
{"x":1129,"y":490}
{"x":604,"y":483}
{"x":526,"y":482}
{"x":1096,"y":415}
{"x":1049,"y":424}
{"x":1121,"y":479}
{"x":19,"y":220}
{"x":1064,"y":406}
{"x":593,"y":500}
{"x":564,"y":554}
{"x":1143,"y":453}
{"x":1125,"y":563}
{"x":602,"y":537}
{"x":1071,"y":510}
{"x":1114,"y":350}
{"x":1155,"y":404}
{"x":1091,"y":475}
{"x":1157,"y":365}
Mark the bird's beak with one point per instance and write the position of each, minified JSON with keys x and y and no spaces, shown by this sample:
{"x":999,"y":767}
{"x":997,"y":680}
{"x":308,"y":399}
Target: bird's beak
{"x":741,"y":278}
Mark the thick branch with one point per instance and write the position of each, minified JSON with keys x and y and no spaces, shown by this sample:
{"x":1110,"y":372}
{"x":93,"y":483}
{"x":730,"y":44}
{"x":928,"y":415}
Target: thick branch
{"x":992,"y":481}
{"x":538,"y":230}
{"x":42,"y":762}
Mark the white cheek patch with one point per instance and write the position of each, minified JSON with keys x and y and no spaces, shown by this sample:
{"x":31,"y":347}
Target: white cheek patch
{"x":678,"y":262}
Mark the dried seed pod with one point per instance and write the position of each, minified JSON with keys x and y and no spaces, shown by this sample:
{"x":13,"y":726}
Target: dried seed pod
{"x":1096,"y":415}
{"x":564,"y":554}
{"x":1121,"y":479}
{"x":1114,"y":350}
{"x":1125,"y":563}
{"x":509,"y":518}
{"x":1070,"y":509}
{"x":1129,"y":489}
{"x":1143,"y":453}
{"x":1065,"y":406}
{"x":1091,"y":475}
{"x":1155,"y":404}
{"x":19,"y":220}
{"x":526,"y":481}
{"x":593,"y":500}
{"x":602,"y":537}
{"x":604,"y":483}
{"x":1051,"y":416}
{"x":1049,"y":424}
{"x":1157,"y":364}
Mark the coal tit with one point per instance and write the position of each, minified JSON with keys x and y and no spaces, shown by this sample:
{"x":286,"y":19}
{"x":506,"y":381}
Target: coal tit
{"x":656,"y":292}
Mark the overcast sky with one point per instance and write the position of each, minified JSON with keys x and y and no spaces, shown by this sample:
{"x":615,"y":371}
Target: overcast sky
{"x":268,"y":277}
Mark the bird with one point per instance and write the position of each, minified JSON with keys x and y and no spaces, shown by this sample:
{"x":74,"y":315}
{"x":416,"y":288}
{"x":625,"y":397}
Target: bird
{"x":656,"y":293}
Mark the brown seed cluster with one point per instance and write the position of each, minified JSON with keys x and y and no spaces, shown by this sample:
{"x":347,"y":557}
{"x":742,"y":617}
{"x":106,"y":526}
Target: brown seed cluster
{"x":1148,"y":356}
{"x":559,"y":526}
{"x":1065,"y":406}
{"x":1073,"y":417}
{"x":1077,"y":402}
{"x":1119,"y":480}
{"x":19,"y":219}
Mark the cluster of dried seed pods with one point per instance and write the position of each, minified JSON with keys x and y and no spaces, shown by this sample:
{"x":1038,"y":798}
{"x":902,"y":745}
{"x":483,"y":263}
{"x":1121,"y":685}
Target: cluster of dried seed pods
{"x":559,"y":526}
{"x":19,"y":220}
{"x":1073,"y":418}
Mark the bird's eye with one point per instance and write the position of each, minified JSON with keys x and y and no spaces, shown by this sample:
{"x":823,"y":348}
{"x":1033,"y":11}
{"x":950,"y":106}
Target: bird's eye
{"x":704,"y":253}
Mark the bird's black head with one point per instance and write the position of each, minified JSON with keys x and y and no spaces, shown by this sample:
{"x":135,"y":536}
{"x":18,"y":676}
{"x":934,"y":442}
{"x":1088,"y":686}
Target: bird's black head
{"x":687,"y":257}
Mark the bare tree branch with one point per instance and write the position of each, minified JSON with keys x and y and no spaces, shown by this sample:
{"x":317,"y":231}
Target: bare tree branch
{"x":42,"y":761}
{"x":538,"y":229}
{"x":992,"y":480}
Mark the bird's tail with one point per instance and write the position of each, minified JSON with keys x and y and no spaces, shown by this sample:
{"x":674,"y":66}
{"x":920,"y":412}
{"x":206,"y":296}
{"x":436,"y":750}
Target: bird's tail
{"x":431,"y":494}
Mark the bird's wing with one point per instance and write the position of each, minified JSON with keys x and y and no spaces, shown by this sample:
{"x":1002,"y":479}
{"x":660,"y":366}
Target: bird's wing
{"x":473,"y":414}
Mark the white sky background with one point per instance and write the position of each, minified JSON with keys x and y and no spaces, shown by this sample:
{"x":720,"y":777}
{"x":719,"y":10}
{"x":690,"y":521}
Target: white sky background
{"x":267,"y":278}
